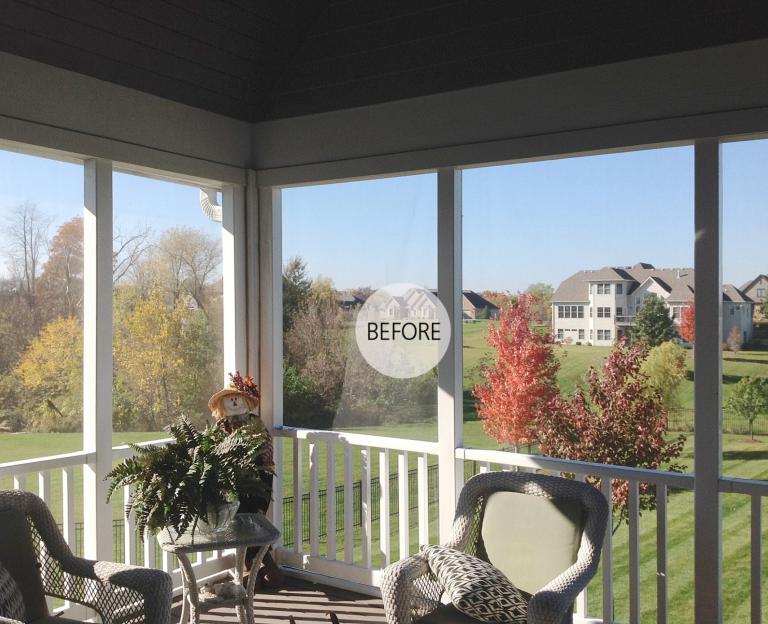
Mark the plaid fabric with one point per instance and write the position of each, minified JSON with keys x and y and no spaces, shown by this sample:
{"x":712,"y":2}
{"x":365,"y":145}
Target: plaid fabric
{"x":11,"y":600}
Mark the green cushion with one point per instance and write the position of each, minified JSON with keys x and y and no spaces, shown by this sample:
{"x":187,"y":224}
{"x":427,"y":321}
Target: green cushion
{"x":531,"y":539}
{"x":17,"y":554}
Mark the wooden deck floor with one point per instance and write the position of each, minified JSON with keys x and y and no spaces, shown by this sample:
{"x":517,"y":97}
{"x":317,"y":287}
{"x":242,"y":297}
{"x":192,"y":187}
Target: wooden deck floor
{"x":308,"y":603}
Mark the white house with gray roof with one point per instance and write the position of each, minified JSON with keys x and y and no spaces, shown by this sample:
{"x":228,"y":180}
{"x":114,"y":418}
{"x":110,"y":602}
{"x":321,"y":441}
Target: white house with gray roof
{"x":598,"y":307}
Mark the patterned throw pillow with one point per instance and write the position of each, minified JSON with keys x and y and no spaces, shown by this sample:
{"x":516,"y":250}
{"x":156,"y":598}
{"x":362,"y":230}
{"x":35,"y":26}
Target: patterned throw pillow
{"x":11,"y":600}
{"x":475,"y":587}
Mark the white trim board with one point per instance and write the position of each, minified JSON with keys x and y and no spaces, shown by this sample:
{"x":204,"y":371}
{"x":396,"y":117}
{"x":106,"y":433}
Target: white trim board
{"x":660,"y":100}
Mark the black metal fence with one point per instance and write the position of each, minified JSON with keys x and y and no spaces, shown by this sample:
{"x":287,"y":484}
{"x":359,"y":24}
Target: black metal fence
{"x":357,"y":507}
{"x":118,"y":526}
{"x":683,"y":419}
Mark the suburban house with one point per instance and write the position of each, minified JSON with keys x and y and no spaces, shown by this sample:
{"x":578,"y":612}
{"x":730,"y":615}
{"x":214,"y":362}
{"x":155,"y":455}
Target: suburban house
{"x":347,"y":300}
{"x":599,"y":306}
{"x":414,"y":303}
{"x":475,"y":306}
{"x":757,"y":289}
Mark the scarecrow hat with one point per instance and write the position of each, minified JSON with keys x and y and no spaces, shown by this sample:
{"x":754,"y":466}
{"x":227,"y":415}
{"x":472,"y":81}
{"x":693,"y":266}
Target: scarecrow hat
{"x":215,"y":401}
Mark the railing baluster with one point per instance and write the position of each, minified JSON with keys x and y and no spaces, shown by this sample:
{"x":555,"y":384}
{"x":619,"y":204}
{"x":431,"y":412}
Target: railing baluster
{"x":365,"y":496}
{"x":20,"y":482}
{"x":44,"y":486}
{"x":581,"y":607}
{"x":402,"y":509}
{"x":349,"y":524}
{"x":485,"y":467}
{"x":148,"y":548}
{"x":298,"y":501}
{"x":634,"y":552}
{"x":277,"y":487}
{"x":661,"y":554}
{"x":757,"y":556}
{"x":68,"y":506}
{"x":384,"y":507}
{"x":423,"y":498}
{"x":607,"y":558}
{"x":129,"y":529}
{"x":330,"y":520}
{"x":165,"y":560}
{"x":314,"y":499}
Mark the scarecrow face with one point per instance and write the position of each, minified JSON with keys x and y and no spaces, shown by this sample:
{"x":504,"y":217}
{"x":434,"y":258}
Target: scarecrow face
{"x":233,"y":405}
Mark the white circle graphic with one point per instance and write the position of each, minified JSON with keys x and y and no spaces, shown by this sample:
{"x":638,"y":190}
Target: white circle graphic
{"x":403,"y":330}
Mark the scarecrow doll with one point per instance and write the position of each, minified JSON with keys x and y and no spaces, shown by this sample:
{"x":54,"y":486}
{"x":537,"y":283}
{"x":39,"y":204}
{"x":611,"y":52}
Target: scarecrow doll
{"x":231,"y":409}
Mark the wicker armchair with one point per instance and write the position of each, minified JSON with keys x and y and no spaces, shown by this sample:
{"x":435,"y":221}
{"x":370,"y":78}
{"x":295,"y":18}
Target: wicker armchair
{"x":33,"y":550}
{"x":519,"y":538}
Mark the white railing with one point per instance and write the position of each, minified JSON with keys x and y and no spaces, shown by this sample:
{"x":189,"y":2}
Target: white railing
{"x":361,"y":478}
{"x":59,"y":484}
{"x":362,"y":468}
{"x":359,"y":567}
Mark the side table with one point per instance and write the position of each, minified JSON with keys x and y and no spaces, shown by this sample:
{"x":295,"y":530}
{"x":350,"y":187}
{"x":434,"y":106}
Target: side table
{"x":246,"y":530}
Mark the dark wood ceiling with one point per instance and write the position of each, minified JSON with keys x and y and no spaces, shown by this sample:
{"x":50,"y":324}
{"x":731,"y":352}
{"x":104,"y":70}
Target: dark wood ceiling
{"x":267,"y":59}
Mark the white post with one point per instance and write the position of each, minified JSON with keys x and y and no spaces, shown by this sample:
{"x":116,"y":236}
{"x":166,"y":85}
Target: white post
{"x":270,"y":285}
{"x":450,"y":402}
{"x":708,"y":392}
{"x":233,"y":274}
{"x":97,"y":357}
{"x":252,"y":280}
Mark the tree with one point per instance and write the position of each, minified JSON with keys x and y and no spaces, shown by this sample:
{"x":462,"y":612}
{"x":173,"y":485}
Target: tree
{"x":51,"y":371}
{"x":27,"y":236}
{"x":520,"y":384}
{"x":296,"y":289}
{"x":163,"y":357}
{"x":749,"y":399}
{"x":127,"y":252}
{"x":688,"y":323}
{"x":735,"y":339}
{"x":499,"y":298}
{"x":665,"y":369}
{"x":61,"y":282}
{"x":542,"y":298}
{"x":616,"y":419}
{"x":653,"y":323}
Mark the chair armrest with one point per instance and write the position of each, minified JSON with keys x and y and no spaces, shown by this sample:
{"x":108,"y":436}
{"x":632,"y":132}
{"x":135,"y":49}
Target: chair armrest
{"x":409,"y":590}
{"x":151,"y":587}
{"x":5,"y":620}
{"x":549,"y":604}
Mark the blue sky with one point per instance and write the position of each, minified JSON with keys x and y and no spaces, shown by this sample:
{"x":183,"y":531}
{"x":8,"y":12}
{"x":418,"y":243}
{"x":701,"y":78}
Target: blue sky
{"x":522,"y":223}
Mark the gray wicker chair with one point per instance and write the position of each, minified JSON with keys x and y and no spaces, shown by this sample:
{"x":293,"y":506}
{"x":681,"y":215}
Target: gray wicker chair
{"x":545,"y":533}
{"x":33,"y":550}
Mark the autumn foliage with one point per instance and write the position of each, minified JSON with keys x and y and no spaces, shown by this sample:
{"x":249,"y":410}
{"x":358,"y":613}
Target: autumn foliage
{"x":617,"y":419}
{"x":688,"y":323}
{"x":521,"y":384}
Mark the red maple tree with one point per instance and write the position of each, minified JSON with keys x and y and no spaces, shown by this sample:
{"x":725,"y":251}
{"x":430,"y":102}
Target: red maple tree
{"x":520,"y":385}
{"x":688,"y":323}
{"x":617,"y":419}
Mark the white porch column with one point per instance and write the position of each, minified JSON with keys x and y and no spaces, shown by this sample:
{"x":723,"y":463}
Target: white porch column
{"x":97,"y":357}
{"x":252,"y":280}
{"x":450,"y":400}
{"x":234,"y":276}
{"x":270,"y":212}
{"x":708,"y":393}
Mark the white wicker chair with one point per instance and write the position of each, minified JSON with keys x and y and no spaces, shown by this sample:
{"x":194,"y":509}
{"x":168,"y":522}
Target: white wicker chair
{"x":411,"y":593}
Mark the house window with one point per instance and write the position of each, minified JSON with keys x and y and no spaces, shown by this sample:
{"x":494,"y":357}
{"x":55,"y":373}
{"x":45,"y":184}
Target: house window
{"x":619,"y":311}
{"x":603,"y":312}
{"x":570,"y":311}
{"x":581,"y":334}
{"x":560,"y":334}
{"x":603,"y":289}
{"x":732,"y":311}
{"x":619,"y":289}
{"x":761,"y":293}
{"x":603,"y":334}
{"x":591,"y":334}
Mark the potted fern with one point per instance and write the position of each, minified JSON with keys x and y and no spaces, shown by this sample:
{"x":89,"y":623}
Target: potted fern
{"x":193,"y":480}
